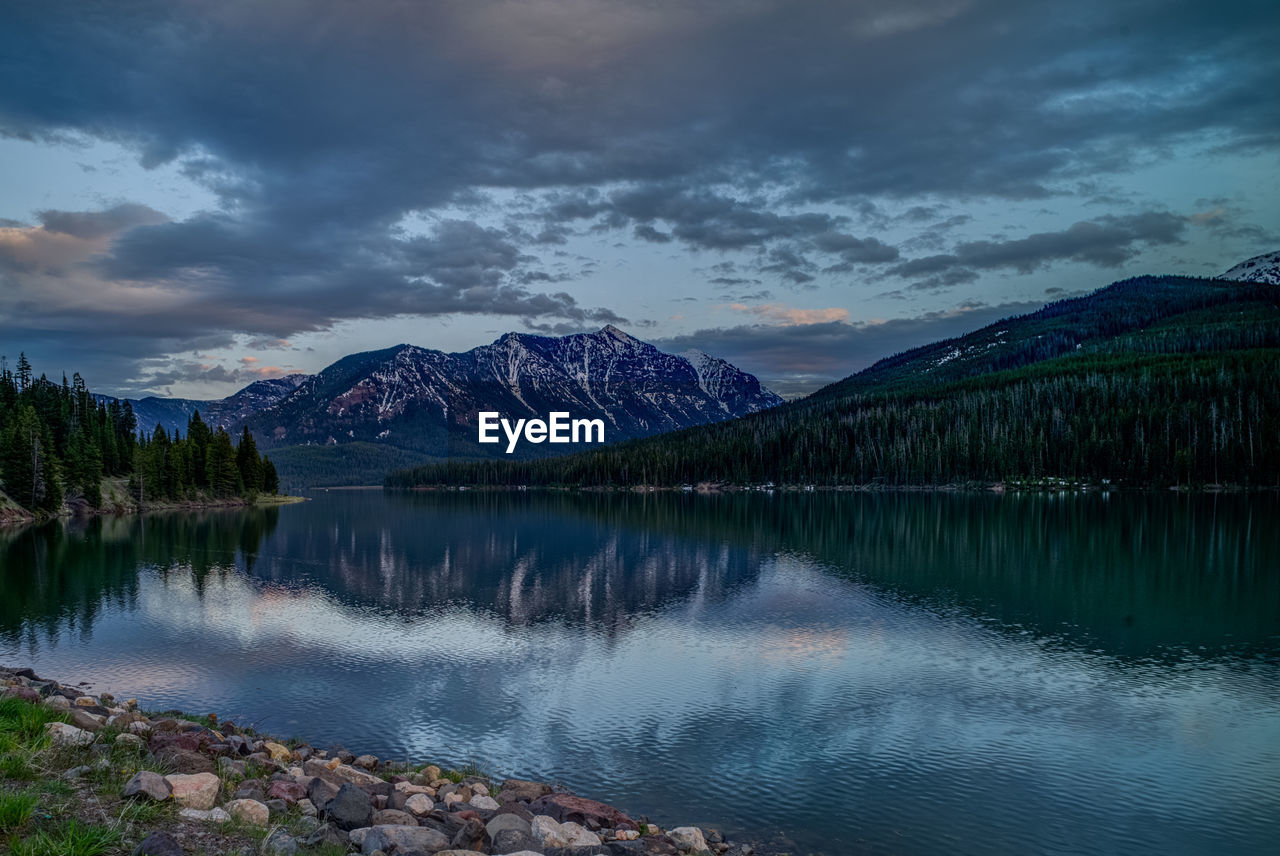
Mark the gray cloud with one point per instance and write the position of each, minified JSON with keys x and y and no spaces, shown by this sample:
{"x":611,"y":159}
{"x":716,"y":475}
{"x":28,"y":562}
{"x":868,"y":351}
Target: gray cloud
{"x":732,"y":128}
{"x":1107,"y":241}
{"x":800,"y":358}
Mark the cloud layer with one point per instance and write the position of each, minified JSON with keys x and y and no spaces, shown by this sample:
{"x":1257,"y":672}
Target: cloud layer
{"x":381,"y":159}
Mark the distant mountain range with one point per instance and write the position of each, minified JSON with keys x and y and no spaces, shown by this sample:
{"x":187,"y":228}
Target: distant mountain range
{"x":424,"y":402}
{"x":1151,"y":381}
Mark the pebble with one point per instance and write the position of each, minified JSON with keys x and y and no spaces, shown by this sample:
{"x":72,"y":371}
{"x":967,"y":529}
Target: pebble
{"x":213,"y":815}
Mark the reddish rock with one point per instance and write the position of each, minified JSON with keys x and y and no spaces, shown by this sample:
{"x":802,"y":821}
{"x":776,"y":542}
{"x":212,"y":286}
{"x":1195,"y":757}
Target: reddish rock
{"x":24,"y":693}
{"x":290,"y":792}
{"x":566,"y":807}
{"x":174,"y":740}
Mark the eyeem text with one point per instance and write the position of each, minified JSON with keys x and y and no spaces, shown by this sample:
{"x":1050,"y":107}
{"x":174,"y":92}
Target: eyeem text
{"x":556,"y":428}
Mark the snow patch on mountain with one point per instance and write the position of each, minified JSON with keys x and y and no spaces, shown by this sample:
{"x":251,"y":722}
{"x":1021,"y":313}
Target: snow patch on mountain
{"x":1263,"y":268}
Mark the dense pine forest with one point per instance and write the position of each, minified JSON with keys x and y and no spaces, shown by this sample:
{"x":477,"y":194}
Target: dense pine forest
{"x":58,"y":444}
{"x":1151,"y":382}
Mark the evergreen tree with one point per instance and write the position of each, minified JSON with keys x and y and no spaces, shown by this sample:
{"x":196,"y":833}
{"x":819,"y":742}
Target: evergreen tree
{"x":270,"y":478}
{"x":248,"y":462}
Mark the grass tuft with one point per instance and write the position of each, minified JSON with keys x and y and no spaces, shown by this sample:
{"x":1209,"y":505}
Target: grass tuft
{"x":69,"y":838}
{"x":15,"y":810}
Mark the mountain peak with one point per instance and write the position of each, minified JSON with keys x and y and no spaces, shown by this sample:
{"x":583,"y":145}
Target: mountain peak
{"x":621,"y":336}
{"x":1263,"y":268}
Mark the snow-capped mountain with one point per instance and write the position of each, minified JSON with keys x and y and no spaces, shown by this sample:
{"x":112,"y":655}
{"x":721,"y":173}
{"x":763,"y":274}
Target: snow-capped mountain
{"x":427,"y":400}
{"x":1263,"y":268}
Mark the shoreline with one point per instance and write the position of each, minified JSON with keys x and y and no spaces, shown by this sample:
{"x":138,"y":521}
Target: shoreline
{"x":174,"y":783}
{"x":13,"y":515}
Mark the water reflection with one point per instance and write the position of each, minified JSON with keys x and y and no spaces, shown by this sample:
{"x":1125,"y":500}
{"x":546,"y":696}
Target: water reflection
{"x":857,"y":673}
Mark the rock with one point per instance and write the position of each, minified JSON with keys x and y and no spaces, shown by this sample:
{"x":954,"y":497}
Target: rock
{"x":419,"y":805}
{"x":404,"y":838}
{"x":76,"y":772}
{"x":478,"y":787}
{"x":548,"y":832}
{"x":249,"y":811}
{"x":278,"y":752}
{"x":68,"y":735}
{"x":277,"y":806}
{"x":320,"y":791}
{"x":471,"y":836}
{"x":514,"y":841}
{"x":194,"y":791}
{"x":280,"y":843}
{"x":158,"y":844}
{"x":503,"y":822}
{"x":566,"y":807}
{"x":409,"y":789}
{"x":288,"y":791}
{"x":86,"y":701}
{"x":26,"y":694}
{"x":232,"y":767}
{"x":393,"y":817}
{"x":185,"y":761}
{"x":147,"y":785}
{"x":522,"y":791}
{"x":58,"y":702}
{"x":139,"y":727}
{"x":368,"y":762}
{"x":339,"y":773}
{"x":326,"y":834}
{"x":485,"y":803}
{"x":357,"y":836}
{"x":688,"y":839}
{"x":213,"y":815}
{"x":130,"y":741}
{"x":307,"y":808}
{"x":80,"y":719}
{"x":351,"y":808}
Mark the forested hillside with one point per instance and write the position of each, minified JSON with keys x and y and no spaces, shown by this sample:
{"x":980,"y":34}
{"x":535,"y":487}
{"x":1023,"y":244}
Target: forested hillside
{"x":58,"y":442}
{"x":1156,"y":381}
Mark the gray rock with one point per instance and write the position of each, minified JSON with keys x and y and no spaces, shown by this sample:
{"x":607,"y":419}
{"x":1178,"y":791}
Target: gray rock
{"x":277,"y":806}
{"x":158,"y":844}
{"x":688,"y":839}
{"x":326,"y":834}
{"x":280,"y":843}
{"x":76,"y":772}
{"x":320,"y":791}
{"x":351,"y":808}
{"x":514,"y":841}
{"x":404,"y":839}
{"x":522,"y":791}
{"x":506,"y":821}
{"x":147,"y":785}
{"x":393,"y":817}
{"x":471,"y":836}
{"x":232,"y":767}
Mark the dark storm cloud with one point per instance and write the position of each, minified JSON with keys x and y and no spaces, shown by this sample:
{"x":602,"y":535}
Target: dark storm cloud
{"x":726,"y":127}
{"x":1107,"y":241}
{"x":799,"y":358}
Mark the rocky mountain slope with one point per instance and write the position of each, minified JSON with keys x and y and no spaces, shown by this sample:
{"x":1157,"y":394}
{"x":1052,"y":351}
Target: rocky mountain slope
{"x":428,"y":400}
{"x":229,"y":412}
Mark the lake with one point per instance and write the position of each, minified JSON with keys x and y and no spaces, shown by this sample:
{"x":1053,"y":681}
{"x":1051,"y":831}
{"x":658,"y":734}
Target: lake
{"x":823,"y":673}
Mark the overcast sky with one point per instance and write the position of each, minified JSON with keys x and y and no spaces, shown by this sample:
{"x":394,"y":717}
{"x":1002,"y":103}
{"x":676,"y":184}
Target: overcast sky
{"x":197,"y":194}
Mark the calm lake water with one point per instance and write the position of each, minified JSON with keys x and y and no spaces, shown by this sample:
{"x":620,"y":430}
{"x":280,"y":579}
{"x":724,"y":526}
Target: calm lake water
{"x":832,"y":673}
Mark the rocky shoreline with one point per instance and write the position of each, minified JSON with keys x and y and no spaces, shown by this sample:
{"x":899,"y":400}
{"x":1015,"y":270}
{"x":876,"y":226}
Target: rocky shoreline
{"x":219,"y":788}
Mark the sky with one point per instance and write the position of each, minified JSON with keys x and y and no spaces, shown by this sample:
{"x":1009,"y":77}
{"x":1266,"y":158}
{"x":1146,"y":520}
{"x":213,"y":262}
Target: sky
{"x":195,"y":195}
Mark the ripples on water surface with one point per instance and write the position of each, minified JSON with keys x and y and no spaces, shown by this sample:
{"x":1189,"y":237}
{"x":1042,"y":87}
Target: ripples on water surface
{"x":839,"y":673}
